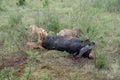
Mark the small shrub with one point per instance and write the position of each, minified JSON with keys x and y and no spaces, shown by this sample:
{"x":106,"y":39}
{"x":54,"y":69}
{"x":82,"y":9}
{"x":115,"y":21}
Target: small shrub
{"x":34,"y":57}
{"x":20,"y":2}
{"x":101,"y":61}
{"x":45,"y":3}
{"x":32,"y":54}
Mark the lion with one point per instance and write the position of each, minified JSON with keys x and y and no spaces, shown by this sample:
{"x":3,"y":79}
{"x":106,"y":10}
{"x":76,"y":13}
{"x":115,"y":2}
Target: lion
{"x":71,"y":33}
{"x":39,"y":33}
{"x":34,"y":45}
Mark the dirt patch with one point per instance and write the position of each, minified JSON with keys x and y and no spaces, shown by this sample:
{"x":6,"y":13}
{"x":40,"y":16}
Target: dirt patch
{"x":13,"y":59}
{"x":55,"y":65}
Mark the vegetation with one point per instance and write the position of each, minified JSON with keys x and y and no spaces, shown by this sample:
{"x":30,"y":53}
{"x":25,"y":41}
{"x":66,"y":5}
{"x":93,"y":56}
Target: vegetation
{"x":45,"y":3}
{"x":99,"y":20}
{"x":101,"y":61}
{"x":20,"y":2}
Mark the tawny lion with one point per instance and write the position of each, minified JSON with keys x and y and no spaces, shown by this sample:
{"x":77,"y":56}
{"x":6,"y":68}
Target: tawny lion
{"x":34,"y":45}
{"x":71,"y":33}
{"x":40,"y":33}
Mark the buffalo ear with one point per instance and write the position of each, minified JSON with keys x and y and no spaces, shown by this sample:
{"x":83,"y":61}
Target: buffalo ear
{"x":82,"y":41}
{"x":92,"y":44}
{"x":86,"y":48}
{"x":87,"y":41}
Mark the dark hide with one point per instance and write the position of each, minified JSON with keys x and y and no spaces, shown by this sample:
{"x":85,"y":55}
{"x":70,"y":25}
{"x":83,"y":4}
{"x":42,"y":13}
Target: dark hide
{"x":62,"y":43}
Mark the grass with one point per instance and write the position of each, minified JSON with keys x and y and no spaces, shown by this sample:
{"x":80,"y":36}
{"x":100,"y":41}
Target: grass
{"x":21,"y":2}
{"x":101,"y":61}
{"x":13,"y":27}
{"x":45,"y":3}
{"x":98,"y":20}
{"x":109,"y":5}
{"x":9,"y":74}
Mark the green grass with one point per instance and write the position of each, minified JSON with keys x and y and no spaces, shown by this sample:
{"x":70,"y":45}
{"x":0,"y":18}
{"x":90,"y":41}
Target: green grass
{"x":20,"y":2}
{"x":9,"y":74}
{"x":101,"y":61}
{"x":99,"y":20}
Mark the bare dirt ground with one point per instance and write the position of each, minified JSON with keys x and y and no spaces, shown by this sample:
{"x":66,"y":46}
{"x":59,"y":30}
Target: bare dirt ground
{"x":14,"y":59}
{"x":57,"y":67}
